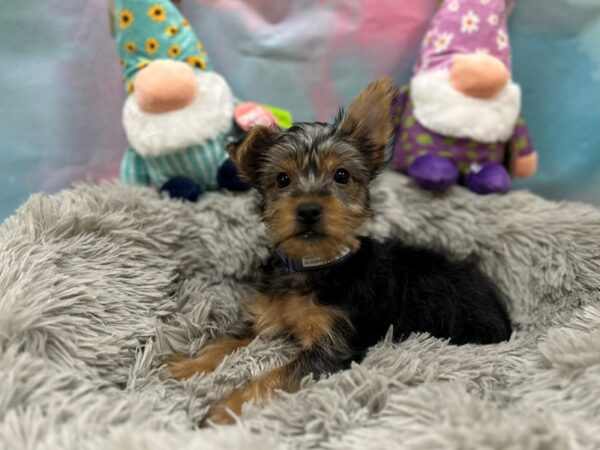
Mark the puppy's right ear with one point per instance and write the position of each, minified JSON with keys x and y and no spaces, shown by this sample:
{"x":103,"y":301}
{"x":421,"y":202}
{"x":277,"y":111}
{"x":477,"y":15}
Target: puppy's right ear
{"x":369,"y":121}
{"x":247,"y":152}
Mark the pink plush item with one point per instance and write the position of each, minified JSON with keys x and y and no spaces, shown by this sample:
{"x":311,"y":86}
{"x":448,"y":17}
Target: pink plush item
{"x":249,"y":114}
{"x":478,"y":75}
{"x":165,"y":85}
{"x":525,"y":166}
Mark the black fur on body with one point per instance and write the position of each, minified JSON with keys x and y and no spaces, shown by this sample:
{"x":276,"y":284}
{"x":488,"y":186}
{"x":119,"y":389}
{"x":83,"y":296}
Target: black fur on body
{"x":314,"y":182}
{"x":412,"y":289}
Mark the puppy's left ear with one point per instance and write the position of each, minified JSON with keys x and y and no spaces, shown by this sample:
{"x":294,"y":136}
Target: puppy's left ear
{"x":369,"y":120}
{"x":247,"y":152}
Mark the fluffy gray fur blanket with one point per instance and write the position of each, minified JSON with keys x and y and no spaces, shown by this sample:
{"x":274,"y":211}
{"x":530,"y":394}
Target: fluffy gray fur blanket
{"x":97,"y":283}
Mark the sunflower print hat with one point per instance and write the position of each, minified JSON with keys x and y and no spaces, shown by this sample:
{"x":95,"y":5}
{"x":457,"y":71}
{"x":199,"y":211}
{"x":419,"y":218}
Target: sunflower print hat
{"x":147,"y":30}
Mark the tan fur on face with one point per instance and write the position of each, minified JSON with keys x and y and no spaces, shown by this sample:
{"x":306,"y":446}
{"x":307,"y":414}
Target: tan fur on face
{"x":330,"y":162}
{"x":338,"y":226}
{"x":298,"y":315}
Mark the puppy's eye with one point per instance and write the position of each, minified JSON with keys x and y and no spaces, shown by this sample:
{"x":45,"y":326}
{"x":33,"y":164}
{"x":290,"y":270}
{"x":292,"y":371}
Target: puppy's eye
{"x":341,"y":176}
{"x":283,"y":180}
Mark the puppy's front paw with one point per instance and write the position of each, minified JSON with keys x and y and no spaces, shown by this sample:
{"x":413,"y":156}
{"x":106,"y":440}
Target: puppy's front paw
{"x":224,"y":412}
{"x":180,"y":367}
{"x":208,"y":360}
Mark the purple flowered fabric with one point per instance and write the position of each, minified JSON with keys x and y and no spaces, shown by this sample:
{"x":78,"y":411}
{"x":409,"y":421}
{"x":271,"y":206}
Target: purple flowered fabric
{"x":465,"y":27}
{"x":413,"y":140}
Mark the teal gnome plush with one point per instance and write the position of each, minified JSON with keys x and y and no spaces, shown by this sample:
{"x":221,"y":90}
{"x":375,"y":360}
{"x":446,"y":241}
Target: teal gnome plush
{"x":179,"y":114}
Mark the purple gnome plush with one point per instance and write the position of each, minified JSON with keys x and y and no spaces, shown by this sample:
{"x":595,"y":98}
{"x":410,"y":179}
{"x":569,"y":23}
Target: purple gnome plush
{"x":458,"y":121}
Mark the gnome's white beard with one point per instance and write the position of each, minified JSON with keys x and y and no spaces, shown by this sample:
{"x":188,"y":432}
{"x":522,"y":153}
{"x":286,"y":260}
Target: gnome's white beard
{"x":208,"y":116}
{"x":444,"y":110}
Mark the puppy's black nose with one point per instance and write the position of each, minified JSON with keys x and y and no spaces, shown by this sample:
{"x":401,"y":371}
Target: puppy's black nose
{"x":309,"y":213}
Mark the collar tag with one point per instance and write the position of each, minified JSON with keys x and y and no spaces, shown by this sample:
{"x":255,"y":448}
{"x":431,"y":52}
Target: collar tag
{"x":309,"y":263}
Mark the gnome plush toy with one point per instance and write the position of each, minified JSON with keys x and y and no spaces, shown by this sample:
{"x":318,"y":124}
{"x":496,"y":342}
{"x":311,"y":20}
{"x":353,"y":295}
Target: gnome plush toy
{"x":180,"y":114}
{"x":458,"y":121}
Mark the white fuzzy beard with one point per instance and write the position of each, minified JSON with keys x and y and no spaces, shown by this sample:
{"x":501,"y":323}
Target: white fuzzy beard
{"x":208,"y":116}
{"x":443,"y":109}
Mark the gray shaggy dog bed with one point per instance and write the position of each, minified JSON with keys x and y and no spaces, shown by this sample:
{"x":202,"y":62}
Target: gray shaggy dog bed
{"x":98,"y":283}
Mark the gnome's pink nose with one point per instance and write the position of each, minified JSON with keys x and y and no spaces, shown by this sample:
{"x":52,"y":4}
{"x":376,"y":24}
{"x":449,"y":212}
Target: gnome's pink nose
{"x":165,"y":85}
{"x":479,"y":75}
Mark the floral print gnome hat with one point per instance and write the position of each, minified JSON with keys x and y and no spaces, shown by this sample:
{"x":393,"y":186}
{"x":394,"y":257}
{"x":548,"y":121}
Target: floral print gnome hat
{"x":148,"y":30}
{"x":465,"y":27}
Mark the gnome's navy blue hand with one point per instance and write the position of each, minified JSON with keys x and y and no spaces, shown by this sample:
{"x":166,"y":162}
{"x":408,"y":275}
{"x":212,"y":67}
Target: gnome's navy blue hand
{"x":187,"y":189}
{"x":182,"y":188}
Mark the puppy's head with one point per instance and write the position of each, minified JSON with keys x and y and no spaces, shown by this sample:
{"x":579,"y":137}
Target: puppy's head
{"x":314,"y":178}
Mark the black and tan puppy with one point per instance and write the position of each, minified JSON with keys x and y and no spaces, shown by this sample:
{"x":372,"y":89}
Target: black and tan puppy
{"x":334,"y":292}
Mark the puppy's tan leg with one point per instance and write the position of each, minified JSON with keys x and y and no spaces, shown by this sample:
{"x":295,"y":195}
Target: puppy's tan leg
{"x":325,"y":357}
{"x":207,"y":360}
{"x":319,"y":330}
{"x":259,"y":389}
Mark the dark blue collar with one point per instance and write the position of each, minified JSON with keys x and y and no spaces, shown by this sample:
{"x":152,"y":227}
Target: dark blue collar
{"x":310,"y":263}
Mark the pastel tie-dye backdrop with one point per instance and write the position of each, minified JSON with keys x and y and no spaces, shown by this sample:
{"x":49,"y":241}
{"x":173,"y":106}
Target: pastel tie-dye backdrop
{"x":61,"y":93}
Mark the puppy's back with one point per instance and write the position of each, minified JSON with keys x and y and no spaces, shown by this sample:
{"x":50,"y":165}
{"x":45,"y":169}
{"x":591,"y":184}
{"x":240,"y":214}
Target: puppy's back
{"x":416,"y":290}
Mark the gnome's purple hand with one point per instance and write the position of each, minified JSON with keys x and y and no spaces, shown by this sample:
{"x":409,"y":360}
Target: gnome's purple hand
{"x":433,"y":173}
